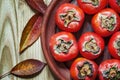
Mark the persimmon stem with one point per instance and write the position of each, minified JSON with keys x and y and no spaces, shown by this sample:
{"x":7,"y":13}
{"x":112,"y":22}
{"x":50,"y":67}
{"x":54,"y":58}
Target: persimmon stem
{"x":4,"y":75}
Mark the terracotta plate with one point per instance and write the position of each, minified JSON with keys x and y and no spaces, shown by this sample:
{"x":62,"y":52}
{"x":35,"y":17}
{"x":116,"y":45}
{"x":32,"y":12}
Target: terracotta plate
{"x":61,"y":70}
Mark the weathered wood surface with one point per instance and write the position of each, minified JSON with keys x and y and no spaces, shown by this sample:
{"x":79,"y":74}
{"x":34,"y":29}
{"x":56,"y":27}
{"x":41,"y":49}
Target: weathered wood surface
{"x":14,"y":14}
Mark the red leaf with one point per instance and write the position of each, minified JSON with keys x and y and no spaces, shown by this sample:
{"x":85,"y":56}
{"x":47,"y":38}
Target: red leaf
{"x":31,"y":32}
{"x":37,"y":5}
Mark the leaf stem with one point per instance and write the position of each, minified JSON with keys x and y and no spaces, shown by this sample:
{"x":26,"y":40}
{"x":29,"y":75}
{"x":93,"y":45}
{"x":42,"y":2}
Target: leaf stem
{"x":4,"y":75}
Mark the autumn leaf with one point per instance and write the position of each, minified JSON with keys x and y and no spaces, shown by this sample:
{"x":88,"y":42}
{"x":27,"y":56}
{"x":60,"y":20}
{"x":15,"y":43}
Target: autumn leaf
{"x":26,"y":68}
{"x":31,"y":32}
{"x":37,"y":5}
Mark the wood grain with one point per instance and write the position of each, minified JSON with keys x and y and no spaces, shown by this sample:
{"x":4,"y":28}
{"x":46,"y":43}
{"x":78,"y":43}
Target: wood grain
{"x":14,"y":14}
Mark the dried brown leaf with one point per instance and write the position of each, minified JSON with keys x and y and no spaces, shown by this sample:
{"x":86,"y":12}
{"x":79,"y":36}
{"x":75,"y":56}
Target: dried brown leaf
{"x":37,"y":5}
{"x":31,"y":32}
{"x":26,"y":68}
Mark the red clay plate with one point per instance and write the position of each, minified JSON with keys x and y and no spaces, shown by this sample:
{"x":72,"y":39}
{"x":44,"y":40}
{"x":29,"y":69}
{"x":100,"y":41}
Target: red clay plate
{"x":61,"y":70}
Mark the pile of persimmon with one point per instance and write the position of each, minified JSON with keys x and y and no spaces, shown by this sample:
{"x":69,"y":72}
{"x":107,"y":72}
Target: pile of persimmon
{"x":105,"y":22}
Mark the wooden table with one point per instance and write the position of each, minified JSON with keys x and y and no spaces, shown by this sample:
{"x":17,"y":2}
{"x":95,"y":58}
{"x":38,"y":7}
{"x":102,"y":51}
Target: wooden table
{"x":14,"y":14}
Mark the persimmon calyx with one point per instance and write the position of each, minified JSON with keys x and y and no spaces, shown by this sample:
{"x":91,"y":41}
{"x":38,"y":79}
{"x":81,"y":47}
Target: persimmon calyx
{"x":85,"y":70}
{"x":91,"y":46}
{"x":93,"y":2}
{"x":69,"y":17}
{"x":112,"y":74}
{"x":117,"y":45}
{"x":108,"y":22}
{"x":63,"y":46}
